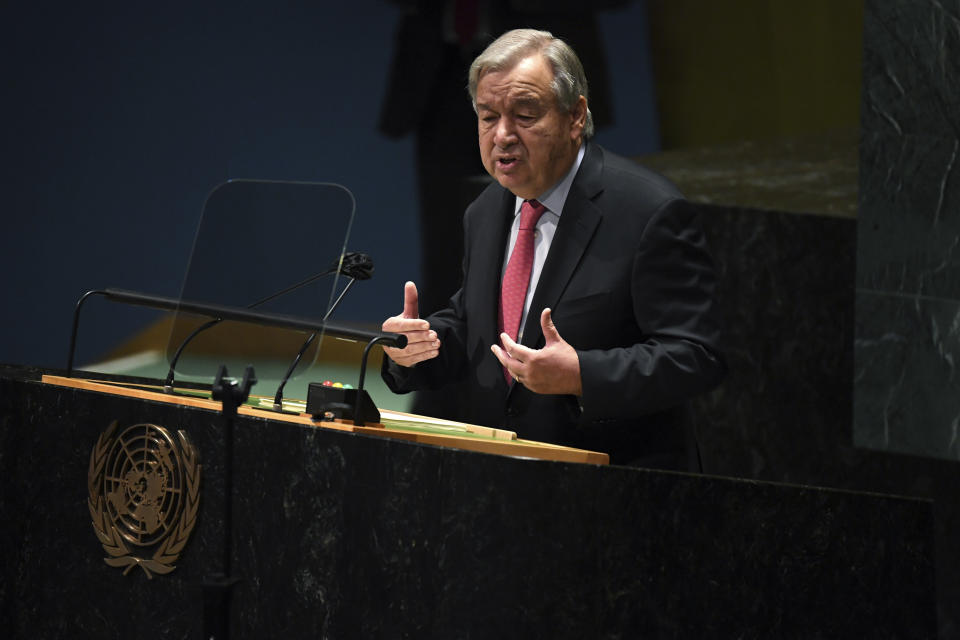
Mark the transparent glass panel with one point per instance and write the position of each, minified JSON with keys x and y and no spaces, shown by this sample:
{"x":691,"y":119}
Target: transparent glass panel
{"x":267,"y":246}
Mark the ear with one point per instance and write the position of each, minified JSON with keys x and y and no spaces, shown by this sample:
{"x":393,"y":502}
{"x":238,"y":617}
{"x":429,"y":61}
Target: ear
{"x":578,"y":117}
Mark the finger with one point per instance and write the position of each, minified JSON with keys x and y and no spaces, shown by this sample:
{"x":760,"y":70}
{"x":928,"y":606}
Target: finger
{"x":411,"y":301}
{"x":550,"y":333}
{"x":515,"y":350}
{"x":418,"y":337}
{"x":427,"y":355}
{"x":505,"y":360}
{"x":413,"y":350}
{"x":399,"y":324}
{"x":406,"y":360}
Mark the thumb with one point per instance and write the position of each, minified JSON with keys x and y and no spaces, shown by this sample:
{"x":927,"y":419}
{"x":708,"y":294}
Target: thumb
{"x":411,"y":301}
{"x":550,"y":333}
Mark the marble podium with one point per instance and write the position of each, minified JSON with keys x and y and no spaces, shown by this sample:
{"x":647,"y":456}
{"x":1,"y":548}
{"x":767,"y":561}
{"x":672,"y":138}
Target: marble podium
{"x":346,"y":535}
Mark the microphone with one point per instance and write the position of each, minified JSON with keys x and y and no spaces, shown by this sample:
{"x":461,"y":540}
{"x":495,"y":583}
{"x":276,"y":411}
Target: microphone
{"x":357,"y":261}
{"x":356,"y":266}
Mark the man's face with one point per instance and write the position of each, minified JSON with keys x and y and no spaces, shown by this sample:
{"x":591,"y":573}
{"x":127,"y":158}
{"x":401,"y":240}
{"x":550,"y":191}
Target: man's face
{"x":526,"y":141}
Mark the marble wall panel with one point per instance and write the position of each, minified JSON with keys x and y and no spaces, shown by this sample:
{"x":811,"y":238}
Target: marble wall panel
{"x":758,"y":559}
{"x":786,"y":293}
{"x":908,"y":268}
{"x":909,"y":231}
{"x":908,"y":259}
{"x":907,"y":351}
{"x":911,"y":67}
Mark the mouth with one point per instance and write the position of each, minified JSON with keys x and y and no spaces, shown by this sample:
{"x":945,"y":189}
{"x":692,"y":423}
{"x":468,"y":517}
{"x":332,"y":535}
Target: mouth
{"x":506,"y":162}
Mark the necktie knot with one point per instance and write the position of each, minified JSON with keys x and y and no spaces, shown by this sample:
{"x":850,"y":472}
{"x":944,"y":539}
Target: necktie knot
{"x":530,"y":212}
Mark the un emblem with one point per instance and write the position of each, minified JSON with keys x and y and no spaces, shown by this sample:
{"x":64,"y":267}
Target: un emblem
{"x":144,"y":491}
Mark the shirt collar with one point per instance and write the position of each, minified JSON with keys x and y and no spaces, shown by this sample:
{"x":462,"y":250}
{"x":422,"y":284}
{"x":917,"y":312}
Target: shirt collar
{"x":556,"y":196}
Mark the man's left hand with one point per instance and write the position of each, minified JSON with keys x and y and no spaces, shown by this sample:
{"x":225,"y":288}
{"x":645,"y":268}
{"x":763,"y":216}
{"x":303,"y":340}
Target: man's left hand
{"x":554,"y":369}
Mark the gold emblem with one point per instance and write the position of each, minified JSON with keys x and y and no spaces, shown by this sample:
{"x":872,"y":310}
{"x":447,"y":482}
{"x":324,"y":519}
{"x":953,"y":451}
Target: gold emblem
{"x":144,"y":487}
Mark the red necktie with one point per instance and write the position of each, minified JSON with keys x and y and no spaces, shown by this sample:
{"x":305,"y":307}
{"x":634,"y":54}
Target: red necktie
{"x":516,"y":279}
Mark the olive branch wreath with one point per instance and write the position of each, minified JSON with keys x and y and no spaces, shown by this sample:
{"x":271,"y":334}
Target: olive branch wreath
{"x":113,"y":543}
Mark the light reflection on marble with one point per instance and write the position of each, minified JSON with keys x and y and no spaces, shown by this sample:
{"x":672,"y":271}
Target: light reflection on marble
{"x":811,"y":175}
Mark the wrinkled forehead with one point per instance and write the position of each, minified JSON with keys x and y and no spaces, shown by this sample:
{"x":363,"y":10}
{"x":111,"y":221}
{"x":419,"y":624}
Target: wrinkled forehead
{"x":525,"y":59}
{"x":528,"y":79}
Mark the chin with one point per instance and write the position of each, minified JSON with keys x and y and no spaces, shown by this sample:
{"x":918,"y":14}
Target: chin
{"x":504,"y":181}
{"x":510,"y":180}
{"x":513,"y":188}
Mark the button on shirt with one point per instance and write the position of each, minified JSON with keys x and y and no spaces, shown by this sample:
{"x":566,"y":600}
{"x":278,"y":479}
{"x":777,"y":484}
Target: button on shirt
{"x":553,"y":199}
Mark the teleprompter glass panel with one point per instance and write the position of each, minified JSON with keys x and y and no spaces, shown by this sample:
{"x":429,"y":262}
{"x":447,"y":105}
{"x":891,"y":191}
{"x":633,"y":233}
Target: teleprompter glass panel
{"x":267,"y":246}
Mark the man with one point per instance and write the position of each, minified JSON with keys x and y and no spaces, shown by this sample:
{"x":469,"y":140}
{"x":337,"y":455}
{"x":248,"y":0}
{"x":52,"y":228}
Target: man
{"x":586,"y":315}
{"x":435,"y":40}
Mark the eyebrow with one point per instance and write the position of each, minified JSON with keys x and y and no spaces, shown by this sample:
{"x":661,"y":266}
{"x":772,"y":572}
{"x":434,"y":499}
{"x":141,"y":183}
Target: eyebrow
{"x":522,"y":102}
{"x":528,"y":102}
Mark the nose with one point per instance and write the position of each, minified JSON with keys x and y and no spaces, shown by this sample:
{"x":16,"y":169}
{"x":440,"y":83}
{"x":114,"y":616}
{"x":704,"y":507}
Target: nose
{"x":505,"y":134}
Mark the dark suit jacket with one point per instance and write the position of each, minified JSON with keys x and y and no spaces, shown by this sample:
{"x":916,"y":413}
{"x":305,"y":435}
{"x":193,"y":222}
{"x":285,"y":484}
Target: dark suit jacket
{"x":631,"y":285}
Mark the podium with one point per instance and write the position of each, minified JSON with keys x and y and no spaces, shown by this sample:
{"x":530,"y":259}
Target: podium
{"x":349,"y":534}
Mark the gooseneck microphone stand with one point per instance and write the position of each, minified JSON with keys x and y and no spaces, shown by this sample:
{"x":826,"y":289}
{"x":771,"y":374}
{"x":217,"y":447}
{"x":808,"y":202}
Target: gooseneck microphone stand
{"x":359,"y":267}
{"x":348,"y":261}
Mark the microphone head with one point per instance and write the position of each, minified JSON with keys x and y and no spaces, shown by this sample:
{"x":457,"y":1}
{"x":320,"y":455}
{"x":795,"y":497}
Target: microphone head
{"x":356,"y":265}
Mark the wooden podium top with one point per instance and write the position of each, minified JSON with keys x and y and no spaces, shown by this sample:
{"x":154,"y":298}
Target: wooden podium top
{"x":396,"y":425}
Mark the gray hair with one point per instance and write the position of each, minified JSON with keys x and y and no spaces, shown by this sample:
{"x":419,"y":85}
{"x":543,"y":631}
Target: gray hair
{"x":569,"y":80}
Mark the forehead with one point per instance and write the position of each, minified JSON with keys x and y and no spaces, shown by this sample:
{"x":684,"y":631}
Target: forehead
{"x":529,"y":78}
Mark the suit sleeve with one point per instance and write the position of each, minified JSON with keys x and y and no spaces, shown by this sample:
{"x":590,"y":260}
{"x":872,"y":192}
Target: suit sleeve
{"x":673,"y":289}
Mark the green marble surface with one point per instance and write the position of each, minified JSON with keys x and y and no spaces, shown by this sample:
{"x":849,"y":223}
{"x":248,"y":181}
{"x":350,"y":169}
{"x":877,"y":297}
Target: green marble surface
{"x":815,"y":175}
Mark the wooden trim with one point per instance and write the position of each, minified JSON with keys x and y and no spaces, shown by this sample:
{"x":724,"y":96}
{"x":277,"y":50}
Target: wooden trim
{"x":492,"y":443}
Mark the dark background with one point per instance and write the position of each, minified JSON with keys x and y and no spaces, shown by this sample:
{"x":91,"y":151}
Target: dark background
{"x":121,"y":117}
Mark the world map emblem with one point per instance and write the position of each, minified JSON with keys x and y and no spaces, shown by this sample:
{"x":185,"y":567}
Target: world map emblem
{"x":144,"y":494}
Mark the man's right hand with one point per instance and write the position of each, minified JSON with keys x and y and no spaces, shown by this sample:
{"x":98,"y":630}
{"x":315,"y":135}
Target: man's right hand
{"x":422,"y":342}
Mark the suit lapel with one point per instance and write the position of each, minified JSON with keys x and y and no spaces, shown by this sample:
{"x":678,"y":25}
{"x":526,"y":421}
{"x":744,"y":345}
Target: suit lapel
{"x":491,"y":248}
{"x":578,"y":222}
{"x":487,"y":262}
